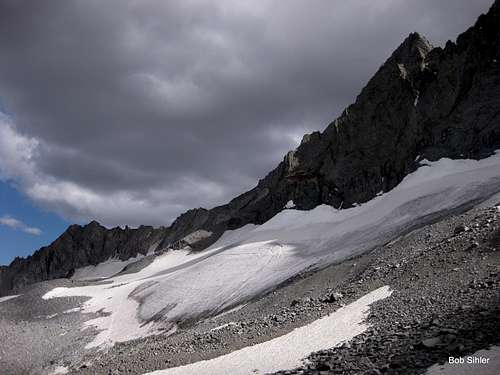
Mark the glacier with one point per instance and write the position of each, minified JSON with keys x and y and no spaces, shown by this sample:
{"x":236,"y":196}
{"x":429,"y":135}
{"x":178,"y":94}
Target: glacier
{"x":181,"y":286}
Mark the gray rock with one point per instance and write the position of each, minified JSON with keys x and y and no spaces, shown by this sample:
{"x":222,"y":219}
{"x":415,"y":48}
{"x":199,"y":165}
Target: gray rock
{"x":474,"y":244}
{"x":332,"y":297}
{"x":461,"y":228}
{"x":79,"y":246}
{"x":432,"y":342}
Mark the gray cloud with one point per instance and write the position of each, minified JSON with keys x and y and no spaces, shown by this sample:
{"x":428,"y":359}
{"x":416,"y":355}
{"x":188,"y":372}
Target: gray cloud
{"x":13,"y":223}
{"x":131,"y":112}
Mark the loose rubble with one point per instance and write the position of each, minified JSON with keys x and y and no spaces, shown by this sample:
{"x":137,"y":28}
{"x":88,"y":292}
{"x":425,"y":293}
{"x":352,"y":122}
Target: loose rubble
{"x":434,"y":313}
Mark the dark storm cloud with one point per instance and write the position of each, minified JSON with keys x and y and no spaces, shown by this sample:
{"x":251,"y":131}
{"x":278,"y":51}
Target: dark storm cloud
{"x":158,"y":106}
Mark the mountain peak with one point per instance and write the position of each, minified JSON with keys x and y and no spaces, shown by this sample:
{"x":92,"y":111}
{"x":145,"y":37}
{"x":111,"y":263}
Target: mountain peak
{"x":413,"y":49}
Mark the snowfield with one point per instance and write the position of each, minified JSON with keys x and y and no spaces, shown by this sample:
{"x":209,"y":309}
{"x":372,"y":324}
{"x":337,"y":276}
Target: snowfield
{"x":103,"y":270}
{"x":288,"y":351}
{"x":252,"y":260}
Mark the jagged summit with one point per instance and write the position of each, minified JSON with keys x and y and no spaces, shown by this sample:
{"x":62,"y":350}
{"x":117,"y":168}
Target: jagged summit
{"x":413,"y":49}
{"x":80,"y":246}
{"x":93,"y":224}
{"x":422,"y":102}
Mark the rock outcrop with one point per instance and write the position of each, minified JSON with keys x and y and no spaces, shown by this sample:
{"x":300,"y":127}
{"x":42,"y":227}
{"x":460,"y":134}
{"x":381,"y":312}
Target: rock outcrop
{"x":79,"y":246}
{"x":423,"y":102}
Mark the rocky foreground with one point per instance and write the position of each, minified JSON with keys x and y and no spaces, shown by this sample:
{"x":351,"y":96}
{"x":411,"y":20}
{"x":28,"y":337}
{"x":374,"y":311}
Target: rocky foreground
{"x":445,"y":303}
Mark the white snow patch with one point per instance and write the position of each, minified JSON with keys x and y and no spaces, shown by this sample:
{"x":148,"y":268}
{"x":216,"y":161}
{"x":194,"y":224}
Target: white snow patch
{"x":490,"y":368}
{"x":196,"y":236}
{"x":415,"y":102}
{"x":289,"y":205}
{"x":253,"y":260}
{"x":103,"y":270}
{"x":224,"y":326}
{"x":59,"y":370}
{"x":76,"y":309}
{"x":46,"y":316}
{"x":113,"y":298}
{"x":6,"y":298}
{"x":152,"y":248}
{"x":234,"y":309}
{"x":288,"y":351}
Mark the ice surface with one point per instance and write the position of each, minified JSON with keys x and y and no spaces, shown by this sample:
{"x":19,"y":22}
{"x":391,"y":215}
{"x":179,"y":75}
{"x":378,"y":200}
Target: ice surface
{"x":252,"y":260}
{"x":103,"y":270}
{"x":6,"y":298}
{"x":288,"y":351}
{"x":113,"y":297}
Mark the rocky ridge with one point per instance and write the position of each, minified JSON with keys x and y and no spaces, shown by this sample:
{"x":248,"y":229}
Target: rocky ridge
{"x":78,"y":247}
{"x":423,"y":102}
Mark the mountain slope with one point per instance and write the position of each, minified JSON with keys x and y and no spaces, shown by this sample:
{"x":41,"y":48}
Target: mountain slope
{"x":78,"y":247}
{"x":423,"y":102}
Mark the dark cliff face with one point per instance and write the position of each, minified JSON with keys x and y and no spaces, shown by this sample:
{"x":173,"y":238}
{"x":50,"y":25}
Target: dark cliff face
{"x":423,"y":102}
{"x":79,"y":246}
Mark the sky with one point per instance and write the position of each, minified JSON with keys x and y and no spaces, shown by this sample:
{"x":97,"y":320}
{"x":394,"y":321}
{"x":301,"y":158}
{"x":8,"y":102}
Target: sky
{"x":131,"y":112}
{"x":21,"y":238}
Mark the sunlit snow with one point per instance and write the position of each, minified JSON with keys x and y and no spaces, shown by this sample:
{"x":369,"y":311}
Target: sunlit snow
{"x":288,"y":351}
{"x":103,"y":270}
